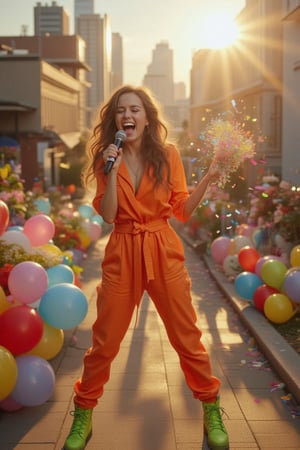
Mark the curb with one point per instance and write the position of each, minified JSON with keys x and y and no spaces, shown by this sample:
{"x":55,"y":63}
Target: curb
{"x":283,"y":358}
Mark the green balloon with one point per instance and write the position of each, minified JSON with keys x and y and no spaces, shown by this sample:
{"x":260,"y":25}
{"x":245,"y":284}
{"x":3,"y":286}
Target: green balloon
{"x":273,"y":272}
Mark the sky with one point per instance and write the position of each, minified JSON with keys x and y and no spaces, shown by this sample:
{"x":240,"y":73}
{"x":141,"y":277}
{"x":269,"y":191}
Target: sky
{"x":142,"y":24}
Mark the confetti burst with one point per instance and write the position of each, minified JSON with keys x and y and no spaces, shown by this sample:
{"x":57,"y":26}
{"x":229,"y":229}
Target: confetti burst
{"x":229,"y":144}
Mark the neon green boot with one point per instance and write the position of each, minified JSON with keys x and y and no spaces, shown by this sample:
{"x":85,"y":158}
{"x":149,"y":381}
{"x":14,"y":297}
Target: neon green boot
{"x":81,"y":429}
{"x":217,"y":436}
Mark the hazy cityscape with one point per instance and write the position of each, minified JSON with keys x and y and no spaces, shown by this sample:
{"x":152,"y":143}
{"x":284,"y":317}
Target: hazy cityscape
{"x":52,"y":83}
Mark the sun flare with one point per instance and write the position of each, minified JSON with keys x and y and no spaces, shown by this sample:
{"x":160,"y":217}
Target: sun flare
{"x":219,"y":31}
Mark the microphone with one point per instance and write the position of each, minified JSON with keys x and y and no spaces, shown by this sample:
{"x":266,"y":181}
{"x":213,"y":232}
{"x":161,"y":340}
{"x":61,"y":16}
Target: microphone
{"x":120,"y":137}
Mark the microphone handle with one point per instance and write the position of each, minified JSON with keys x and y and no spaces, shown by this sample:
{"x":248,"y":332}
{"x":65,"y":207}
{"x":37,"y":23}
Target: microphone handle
{"x":109,"y":164}
{"x":110,"y":161}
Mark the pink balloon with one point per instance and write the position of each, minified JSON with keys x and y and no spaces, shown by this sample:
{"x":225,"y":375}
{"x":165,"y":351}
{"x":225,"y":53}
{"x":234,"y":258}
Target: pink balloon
{"x":219,"y":248}
{"x":9,"y":404}
{"x":94,"y":231}
{"x":39,"y":229}
{"x":4,"y":216}
{"x":27,"y":282}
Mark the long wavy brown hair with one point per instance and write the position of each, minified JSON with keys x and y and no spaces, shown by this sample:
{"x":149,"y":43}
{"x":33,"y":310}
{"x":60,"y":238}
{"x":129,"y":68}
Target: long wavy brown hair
{"x":153,"y":143}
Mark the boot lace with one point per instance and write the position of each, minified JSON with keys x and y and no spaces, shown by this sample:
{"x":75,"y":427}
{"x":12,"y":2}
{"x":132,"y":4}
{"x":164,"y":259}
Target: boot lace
{"x":80,"y":422}
{"x":214,"y":415}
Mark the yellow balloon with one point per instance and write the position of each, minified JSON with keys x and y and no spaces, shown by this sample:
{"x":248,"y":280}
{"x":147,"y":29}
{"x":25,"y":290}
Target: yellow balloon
{"x":278,"y":308}
{"x":8,"y":372}
{"x":4,"y":304}
{"x":50,"y":343}
{"x":85,"y":240}
{"x":295,"y":256}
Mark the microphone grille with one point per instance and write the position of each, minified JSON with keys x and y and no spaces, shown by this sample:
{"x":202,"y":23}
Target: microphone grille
{"x":120,"y":134}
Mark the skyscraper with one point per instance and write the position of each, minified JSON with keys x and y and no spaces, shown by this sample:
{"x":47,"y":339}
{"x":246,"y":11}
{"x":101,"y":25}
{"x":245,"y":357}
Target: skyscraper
{"x":159,"y":77}
{"x":96,"y":32}
{"x":50,"y":19}
{"x":83,"y":7}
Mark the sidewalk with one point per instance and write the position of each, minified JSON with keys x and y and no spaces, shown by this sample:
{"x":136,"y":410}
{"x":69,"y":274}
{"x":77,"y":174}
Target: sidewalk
{"x":146,"y":404}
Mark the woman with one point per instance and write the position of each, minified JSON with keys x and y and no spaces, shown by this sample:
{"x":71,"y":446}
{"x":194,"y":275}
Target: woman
{"x":144,"y":188}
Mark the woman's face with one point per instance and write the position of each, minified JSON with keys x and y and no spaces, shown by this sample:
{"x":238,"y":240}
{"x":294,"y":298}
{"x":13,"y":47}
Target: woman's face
{"x":131,"y":116}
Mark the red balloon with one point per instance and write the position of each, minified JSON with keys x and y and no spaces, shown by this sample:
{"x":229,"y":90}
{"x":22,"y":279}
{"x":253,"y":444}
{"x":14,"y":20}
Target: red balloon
{"x":21,"y":329}
{"x":261,"y":294}
{"x":248,"y":257}
{"x":4,"y":217}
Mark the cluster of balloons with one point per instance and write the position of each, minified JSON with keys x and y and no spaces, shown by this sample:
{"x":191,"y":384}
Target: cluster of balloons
{"x":40,"y":305}
{"x":272,"y":286}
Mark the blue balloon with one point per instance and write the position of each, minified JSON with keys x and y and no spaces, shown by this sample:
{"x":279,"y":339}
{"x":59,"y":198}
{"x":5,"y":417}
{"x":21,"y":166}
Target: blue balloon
{"x":60,"y":273}
{"x":246,"y":284}
{"x":98,"y":219}
{"x":63,"y":306}
{"x":43,"y":205}
{"x":86,"y":211}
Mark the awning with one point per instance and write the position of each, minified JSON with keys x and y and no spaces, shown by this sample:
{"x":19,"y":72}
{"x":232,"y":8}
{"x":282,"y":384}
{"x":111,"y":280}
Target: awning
{"x":6,"y":141}
{"x":7,"y":106}
{"x":70,"y":139}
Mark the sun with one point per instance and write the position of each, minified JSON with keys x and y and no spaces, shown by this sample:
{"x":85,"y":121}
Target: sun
{"x":218,"y":30}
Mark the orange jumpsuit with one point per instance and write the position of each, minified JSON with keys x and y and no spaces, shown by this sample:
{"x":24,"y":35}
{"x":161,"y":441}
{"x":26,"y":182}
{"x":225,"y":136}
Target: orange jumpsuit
{"x":145,"y":254}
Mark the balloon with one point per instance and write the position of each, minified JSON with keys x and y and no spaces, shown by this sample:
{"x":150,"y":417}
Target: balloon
{"x":84,"y":238}
{"x":10,"y":405}
{"x":246,"y":284}
{"x":39,"y":229}
{"x":278,"y":308}
{"x":291,"y":284}
{"x":261,"y":294}
{"x":21,"y":328}
{"x":63,"y":306}
{"x":4,"y":304}
{"x":273,"y":272}
{"x":97,"y":219}
{"x":77,"y":256}
{"x":248,"y":257}
{"x":71,"y":188}
{"x":237,"y":243}
{"x":219,"y":249}
{"x":4,"y":217}
{"x":27,"y":281}
{"x":35,"y":382}
{"x":231,"y":265}
{"x":86,"y":211}
{"x":295,"y":256}
{"x":60,"y":273}
{"x":8,"y":372}
{"x":260,"y":262}
{"x":49,"y":251}
{"x":17,"y":238}
{"x":50,"y":343}
{"x":257,"y":237}
{"x":43,"y":205}
{"x":93,"y":230}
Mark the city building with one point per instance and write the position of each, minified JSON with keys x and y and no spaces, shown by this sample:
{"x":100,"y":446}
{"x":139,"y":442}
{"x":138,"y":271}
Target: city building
{"x":160,"y":80}
{"x":41,"y":103}
{"x":291,"y":92}
{"x":51,"y":19}
{"x":96,"y":32}
{"x":84,"y":7}
{"x":159,"y":77}
{"x":117,"y":61}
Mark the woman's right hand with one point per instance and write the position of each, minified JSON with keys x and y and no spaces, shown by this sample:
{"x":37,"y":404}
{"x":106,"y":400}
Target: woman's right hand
{"x":112,"y":151}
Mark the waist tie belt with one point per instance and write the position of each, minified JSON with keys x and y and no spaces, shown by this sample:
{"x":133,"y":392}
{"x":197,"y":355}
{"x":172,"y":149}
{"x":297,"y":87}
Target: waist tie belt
{"x":142,"y":243}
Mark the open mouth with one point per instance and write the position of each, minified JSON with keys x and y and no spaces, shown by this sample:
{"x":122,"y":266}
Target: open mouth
{"x":128,"y":126}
